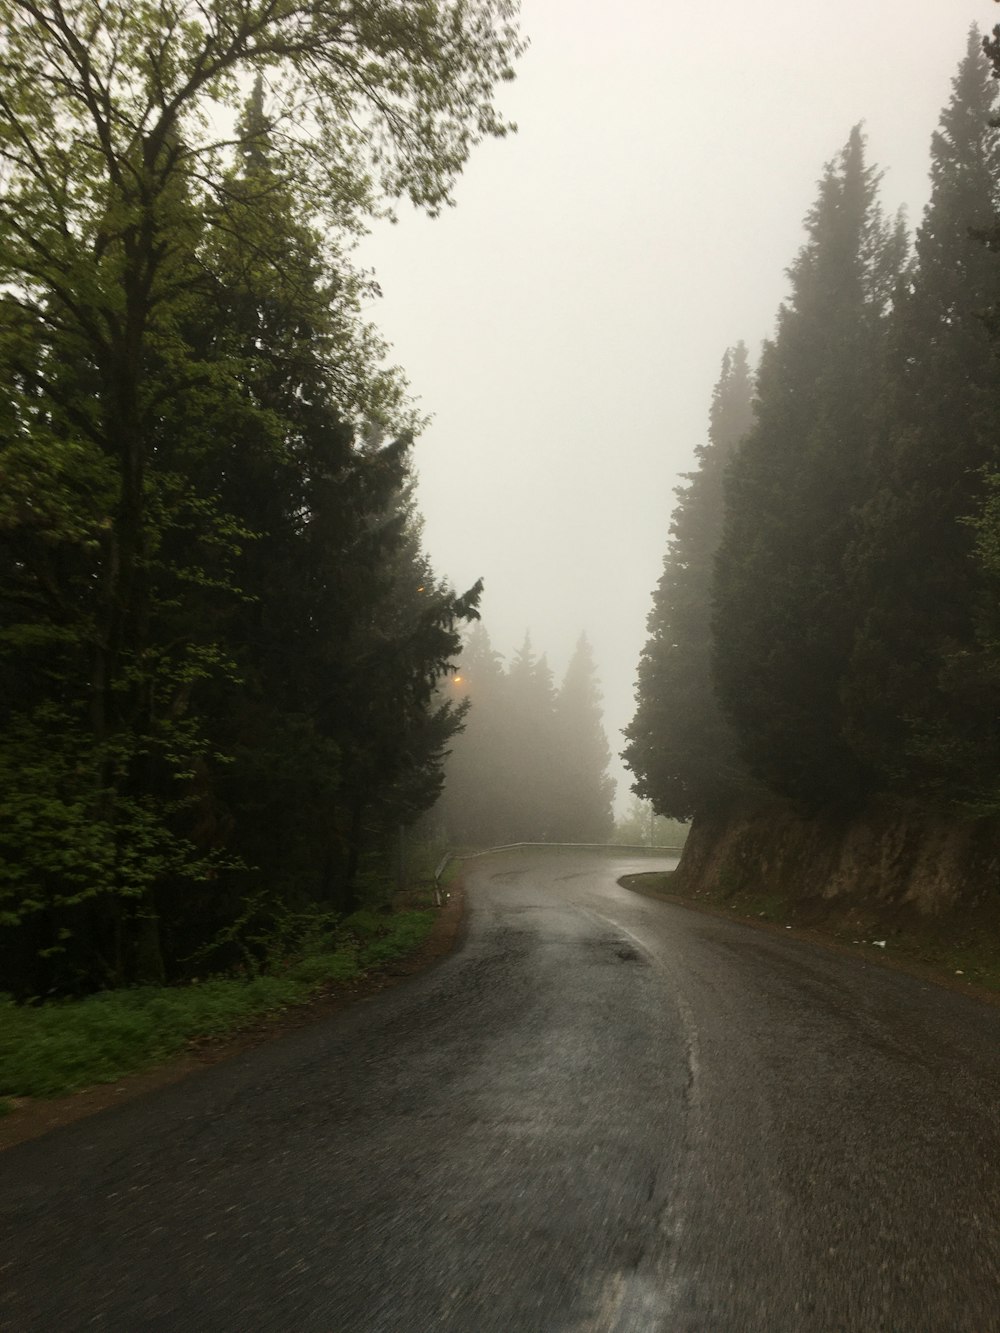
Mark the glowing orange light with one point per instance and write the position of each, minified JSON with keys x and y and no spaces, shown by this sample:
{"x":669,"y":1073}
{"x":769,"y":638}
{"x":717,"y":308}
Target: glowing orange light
{"x":459,"y":679}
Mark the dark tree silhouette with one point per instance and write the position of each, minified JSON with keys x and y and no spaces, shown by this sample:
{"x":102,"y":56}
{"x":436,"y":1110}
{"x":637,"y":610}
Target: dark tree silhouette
{"x":680,"y":747}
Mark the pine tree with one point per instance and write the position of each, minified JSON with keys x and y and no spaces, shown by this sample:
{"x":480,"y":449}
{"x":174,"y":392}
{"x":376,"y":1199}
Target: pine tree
{"x":913,"y":708}
{"x":582,"y":791}
{"x":680,"y":747}
{"x":472,"y":808}
{"x":528,"y":765}
{"x":392,"y":727}
{"x":784,"y":623}
{"x":531,"y":763}
{"x":199,"y":581}
{"x":320,"y":510}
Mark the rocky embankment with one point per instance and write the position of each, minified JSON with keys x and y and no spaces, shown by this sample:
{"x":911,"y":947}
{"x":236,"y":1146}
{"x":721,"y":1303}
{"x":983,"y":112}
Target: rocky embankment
{"x":898,"y":867}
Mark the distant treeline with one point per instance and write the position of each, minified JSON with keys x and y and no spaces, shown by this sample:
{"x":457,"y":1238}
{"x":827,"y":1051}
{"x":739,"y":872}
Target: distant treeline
{"x":220,"y":642}
{"x":532,"y":762}
{"x":827,"y":626}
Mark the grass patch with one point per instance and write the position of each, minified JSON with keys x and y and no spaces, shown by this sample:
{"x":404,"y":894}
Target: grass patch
{"x":65,"y":1045}
{"x":761,"y":904}
{"x":424,"y":890}
{"x":657,"y":881}
{"x":967,"y":950}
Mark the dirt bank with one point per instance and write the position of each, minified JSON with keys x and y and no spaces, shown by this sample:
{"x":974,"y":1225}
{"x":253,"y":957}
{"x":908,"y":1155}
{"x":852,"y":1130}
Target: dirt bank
{"x":919,"y":885}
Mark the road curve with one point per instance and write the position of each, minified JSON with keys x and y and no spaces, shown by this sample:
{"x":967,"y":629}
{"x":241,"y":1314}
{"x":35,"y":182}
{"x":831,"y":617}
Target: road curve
{"x":604,"y":1113}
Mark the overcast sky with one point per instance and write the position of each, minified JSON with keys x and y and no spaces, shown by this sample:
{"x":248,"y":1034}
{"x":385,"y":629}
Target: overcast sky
{"x":565,"y":323}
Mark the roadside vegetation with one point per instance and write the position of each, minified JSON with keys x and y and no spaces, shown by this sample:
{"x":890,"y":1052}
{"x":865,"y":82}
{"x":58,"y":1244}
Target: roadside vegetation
{"x":224,"y":652}
{"x":641,"y":826}
{"x":824,"y":641}
{"x":65,"y":1045}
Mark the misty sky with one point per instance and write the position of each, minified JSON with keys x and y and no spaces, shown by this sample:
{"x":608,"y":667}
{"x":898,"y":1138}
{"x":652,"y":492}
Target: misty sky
{"x":565,"y":323}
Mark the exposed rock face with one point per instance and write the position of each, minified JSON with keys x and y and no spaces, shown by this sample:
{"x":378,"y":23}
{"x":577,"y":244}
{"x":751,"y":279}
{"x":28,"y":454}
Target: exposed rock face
{"x":891,"y":856}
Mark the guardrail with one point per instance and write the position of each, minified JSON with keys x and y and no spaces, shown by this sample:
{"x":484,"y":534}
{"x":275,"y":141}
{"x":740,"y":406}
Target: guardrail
{"x":513,"y":846}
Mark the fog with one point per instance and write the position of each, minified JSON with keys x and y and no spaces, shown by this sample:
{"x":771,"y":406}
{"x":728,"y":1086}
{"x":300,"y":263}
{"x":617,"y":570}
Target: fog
{"x":564,"y":325}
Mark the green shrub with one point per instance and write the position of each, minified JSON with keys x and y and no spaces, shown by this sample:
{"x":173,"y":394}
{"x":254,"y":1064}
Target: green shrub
{"x":67,"y":1044}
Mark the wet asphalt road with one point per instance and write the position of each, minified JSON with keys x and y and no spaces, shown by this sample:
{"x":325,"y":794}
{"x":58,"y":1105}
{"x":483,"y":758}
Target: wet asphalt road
{"x":602,"y":1113}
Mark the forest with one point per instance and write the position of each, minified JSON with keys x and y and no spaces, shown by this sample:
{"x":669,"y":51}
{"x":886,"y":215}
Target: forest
{"x":222,"y":644}
{"x":824,"y":639}
{"x":229,"y":674}
{"x":530,"y":764}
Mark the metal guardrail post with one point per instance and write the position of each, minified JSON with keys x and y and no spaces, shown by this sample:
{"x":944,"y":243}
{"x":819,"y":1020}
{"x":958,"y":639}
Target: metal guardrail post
{"x":442,"y":866}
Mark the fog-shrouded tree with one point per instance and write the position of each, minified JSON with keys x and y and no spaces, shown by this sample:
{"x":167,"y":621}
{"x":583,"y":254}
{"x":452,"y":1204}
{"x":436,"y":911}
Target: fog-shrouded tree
{"x":641,"y":826}
{"x":528,"y":762}
{"x":531,"y":762}
{"x":472,"y":807}
{"x":680,"y":747}
{"x":945,"y":727}
{"x":393,"y":726}
{"x":912,"y":563}
{"x":784,"y":619}
{"x":582,"y":792}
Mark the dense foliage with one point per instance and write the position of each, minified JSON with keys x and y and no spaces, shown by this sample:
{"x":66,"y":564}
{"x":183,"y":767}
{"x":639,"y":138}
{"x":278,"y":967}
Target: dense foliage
{"x":220,"y":641}
{"x":531,"y":765}
{"x":843,"y":643}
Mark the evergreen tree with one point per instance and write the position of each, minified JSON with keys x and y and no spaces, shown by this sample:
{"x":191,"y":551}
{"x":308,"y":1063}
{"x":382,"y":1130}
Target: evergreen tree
{"x":784,"y":621}
{"x":343,"y":631}
{"x":641,"y":826}
{"x":582,"y":792}
{"x":528,"y":763}
{"x":391,"y":726}
{"x":188,"y":376}
{"x":473,"y":806}
{"x":913,"y":708}
{"x":531,"y":763}
{"x":680,"y":747}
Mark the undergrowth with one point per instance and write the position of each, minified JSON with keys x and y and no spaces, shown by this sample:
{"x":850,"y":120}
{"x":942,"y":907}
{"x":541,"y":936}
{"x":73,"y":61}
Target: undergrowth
{"x":61,"y":1046}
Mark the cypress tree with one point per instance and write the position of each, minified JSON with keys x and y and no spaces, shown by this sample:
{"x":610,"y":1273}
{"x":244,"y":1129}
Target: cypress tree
{"x":582,"y":792}
{"x":680,"y":747}
{"x":783,"y":623}
{"x":472,"y":806}
{"x":913,"y":708}
{"x":528,"y":756}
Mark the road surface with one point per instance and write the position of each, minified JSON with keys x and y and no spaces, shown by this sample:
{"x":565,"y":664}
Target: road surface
{"x":602,"y":1113}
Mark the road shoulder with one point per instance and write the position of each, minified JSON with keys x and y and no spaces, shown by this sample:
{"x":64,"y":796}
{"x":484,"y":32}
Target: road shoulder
{"x":651,"y":885}
{"x":31,"y":1117}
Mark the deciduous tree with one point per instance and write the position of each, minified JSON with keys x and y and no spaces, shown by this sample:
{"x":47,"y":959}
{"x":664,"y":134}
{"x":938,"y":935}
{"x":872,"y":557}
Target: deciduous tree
{"x":189,"y":378}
